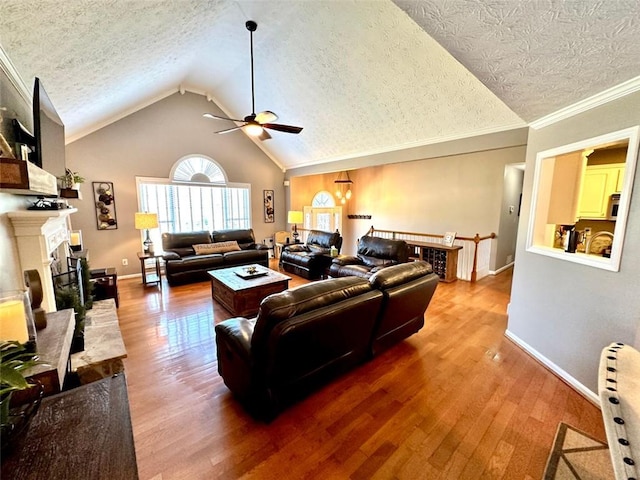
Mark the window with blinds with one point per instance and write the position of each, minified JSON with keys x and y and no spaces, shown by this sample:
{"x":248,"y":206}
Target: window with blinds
{"x":189,"y":206}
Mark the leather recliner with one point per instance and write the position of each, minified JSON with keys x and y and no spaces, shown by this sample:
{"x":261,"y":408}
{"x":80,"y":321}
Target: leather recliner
{"x":307,"y":335}
{"x":373,"y":254}
{"x":300,"y":338}
{"x":313,"y":258}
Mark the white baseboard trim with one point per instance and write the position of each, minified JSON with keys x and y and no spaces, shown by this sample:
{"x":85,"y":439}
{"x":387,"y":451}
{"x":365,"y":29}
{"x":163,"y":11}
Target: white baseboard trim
{"x":572,"y":382}
{"x":131,"y":275}
{"x":501,"y":269}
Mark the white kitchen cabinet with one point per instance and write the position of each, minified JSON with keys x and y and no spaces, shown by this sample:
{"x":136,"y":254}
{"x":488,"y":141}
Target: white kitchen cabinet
{"x":598,"y":183}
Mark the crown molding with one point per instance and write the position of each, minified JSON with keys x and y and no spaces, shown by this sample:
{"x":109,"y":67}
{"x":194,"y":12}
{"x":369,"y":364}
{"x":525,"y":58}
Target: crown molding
{"x":14,"y":76}
{"x":613,"y":93}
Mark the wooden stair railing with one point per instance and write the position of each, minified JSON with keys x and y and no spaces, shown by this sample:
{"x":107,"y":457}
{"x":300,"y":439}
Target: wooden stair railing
{"x":475,"y":239}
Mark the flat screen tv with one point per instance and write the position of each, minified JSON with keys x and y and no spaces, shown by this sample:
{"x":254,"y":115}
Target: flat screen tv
{"x":48,"y":133}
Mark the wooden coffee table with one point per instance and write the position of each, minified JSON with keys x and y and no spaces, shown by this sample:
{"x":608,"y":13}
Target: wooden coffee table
{"x":242,"y":296}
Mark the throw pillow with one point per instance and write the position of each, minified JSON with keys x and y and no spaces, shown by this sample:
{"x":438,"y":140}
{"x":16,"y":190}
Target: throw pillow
{"x":219,"y":247}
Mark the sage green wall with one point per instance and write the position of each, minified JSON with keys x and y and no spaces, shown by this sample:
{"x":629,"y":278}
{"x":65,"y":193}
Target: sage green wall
{"x":148,"y":143}
{"x":566,"y":312}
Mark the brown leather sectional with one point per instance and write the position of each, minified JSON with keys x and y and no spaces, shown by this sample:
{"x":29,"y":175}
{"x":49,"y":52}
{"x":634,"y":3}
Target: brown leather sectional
{"x":307,"y":335}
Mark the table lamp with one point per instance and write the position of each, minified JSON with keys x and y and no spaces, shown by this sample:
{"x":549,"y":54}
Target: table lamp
{"x":16,"y":319}
{"x":294,"y":217}
{"x":145,"y":221}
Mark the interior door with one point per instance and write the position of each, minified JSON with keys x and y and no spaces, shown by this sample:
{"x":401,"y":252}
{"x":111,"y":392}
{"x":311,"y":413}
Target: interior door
{"x":327,"y":219}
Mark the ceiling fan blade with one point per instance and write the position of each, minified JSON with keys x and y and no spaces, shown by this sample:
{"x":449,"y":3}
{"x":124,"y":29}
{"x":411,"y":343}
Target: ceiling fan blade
{"x":232,"y":129}
{"x":282,"y":128}
{"x":264,"y":135}
{"x":266,"y":117}
{"x":218,"y":117}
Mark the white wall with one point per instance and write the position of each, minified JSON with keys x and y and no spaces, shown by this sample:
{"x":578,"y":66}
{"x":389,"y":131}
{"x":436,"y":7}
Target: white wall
{"x":148,"y":143}
{"x":566,"y":312}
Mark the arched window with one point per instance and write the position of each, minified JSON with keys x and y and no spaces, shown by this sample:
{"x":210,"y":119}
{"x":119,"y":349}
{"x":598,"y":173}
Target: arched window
{"x":198,"y":169}
{"x":196,"y":196}
{"x":323,"y":199}
{"x":323,"y":213}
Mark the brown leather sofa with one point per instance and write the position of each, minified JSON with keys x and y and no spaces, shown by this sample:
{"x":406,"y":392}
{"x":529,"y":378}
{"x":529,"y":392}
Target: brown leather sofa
{"x":311,"y":259}
{"x":183,"y":265}
{"x":373,"y":254}
{"x":307,"y":335}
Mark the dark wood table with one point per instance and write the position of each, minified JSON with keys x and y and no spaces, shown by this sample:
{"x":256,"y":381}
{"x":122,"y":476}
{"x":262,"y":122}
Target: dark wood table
{"x":53,"y":344}
{"x":81,"y":433}
{"x":106,"y":284}
{"x":242,"y":296}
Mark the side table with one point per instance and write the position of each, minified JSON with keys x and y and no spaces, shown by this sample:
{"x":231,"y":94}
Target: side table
{"x":150,"y":275}
{"x":105,"y":284}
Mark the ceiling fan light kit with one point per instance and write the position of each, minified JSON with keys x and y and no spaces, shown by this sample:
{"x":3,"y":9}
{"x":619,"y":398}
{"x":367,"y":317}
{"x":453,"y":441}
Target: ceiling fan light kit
{"x":255,"y":124}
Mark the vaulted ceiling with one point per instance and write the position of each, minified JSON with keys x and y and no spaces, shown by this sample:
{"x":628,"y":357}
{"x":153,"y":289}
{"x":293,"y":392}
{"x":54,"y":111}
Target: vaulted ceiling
{"x":360,"y":76}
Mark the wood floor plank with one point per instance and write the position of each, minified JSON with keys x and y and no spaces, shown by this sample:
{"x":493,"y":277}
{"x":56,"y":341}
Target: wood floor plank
{"x":457,"y":400}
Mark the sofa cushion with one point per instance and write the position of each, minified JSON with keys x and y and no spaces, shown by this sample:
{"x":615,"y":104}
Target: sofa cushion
{"x":389,"y":277}
{"x":376,"y":262}
{"x":295,"y":248}
{"x":182,"y":251}
{"x":357,"y":270}
{"x":324,"y":239}
{"x":239,"y":257}
{"x":383,"y":248}
{"x":174,"y":241}
{"x":296,"y":301}
{"x":217,"y":247}
{"x":196,"y":262}
{"x":245,"y":238}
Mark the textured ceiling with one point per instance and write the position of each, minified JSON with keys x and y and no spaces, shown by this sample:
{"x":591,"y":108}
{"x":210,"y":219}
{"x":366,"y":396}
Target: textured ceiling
{"x":359,"y":76}
{"x":538,"y":56}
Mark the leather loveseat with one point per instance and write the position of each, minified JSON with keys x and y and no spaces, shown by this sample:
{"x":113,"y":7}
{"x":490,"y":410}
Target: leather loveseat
{"x":311,"y":259}
{"x":307,"y":335}
{"x":189,"y":255}
{"x":373,"y":254}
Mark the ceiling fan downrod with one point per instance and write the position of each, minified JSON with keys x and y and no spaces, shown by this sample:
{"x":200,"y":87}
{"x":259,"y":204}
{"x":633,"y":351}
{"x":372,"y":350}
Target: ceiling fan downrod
{"x":252,"y":26}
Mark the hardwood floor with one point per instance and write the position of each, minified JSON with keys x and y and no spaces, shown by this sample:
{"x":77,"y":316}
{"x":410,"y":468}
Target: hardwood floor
{"x":455,"y":401}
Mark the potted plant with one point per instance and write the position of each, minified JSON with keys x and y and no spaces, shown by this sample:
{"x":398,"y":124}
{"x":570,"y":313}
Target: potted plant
{"x":69,"y":297}
{"x":14,"y":360}
{"x":70,"y":184}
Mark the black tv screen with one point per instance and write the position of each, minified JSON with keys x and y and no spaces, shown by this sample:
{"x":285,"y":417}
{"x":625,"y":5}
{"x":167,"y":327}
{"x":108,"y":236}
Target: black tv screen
{"x":48,"y":132}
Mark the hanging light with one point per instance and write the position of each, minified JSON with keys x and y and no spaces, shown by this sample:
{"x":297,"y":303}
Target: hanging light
{"x":343,"y":187}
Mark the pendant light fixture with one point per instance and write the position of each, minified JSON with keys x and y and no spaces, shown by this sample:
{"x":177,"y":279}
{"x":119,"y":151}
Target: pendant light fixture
{"x":343,"y":187}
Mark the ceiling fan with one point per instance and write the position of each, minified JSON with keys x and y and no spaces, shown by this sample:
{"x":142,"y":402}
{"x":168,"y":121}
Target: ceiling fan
{"x":255,"y":124}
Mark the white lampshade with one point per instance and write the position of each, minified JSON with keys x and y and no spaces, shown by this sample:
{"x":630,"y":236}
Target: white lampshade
{"x":294,"y":217}
{"x":145,"y":220}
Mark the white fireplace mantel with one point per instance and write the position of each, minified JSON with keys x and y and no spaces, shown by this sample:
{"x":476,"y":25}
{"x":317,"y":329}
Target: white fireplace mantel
{"x":39,"y":233}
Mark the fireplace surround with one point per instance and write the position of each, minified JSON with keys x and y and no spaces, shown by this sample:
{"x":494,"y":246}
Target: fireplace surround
{"x":41,"y":236}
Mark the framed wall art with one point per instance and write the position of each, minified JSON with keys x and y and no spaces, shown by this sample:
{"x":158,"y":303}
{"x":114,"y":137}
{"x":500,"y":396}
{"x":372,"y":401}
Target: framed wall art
{"x":105,"y":205}
{"x":268,"y":207}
